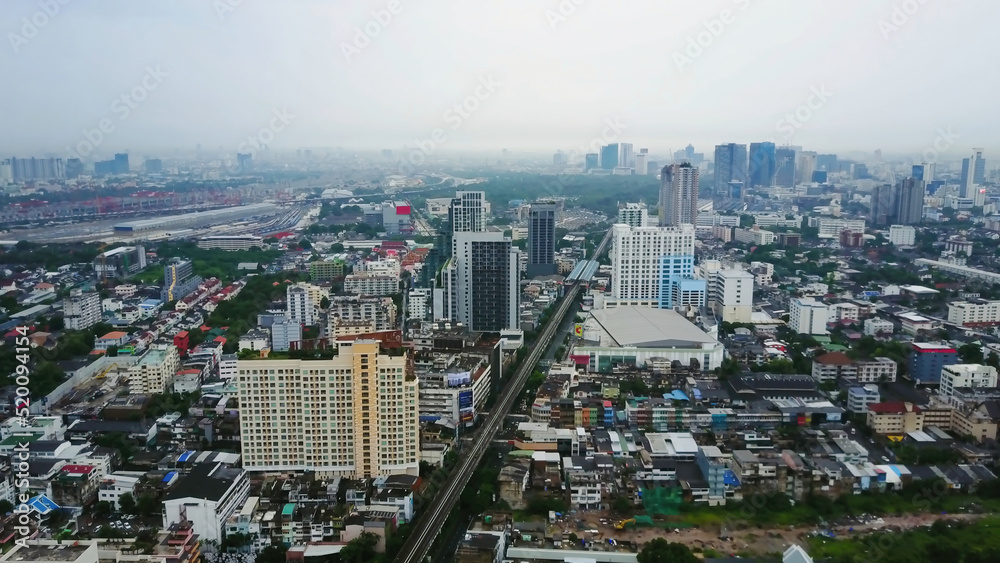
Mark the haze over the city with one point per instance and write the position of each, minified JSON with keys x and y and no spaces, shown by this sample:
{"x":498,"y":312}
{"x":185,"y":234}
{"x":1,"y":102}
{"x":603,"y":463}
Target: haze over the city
{"x":542,"y":75}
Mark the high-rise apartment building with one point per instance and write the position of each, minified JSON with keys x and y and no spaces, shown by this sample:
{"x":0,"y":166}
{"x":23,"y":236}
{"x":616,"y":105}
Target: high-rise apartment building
{"x":380,"y":312}
{"x":651,"y":264}
{"x":179,"y":280}
{"x":731,"y":295}
{"x":466,"y":214}
{"x":910,"y":210}
{"x":481,"y":282}
{"x":762,"y":165}
{"x":678,"y":195}
{"x":155,"y":371}
{"x":23,"y":169}
{"x":633,"y":214}
{"x":808,"y":316}
{"x":805,"y":166}
{"x":591,"y":161}
{"x":626,"y":155}
{"x":120,"y":262}
{"x":81,"y":310}
{"x":730,"y":166}
{"x":542,"y":239}
{"x":355,"y":415}
{"x":973,"y":173}
{"x":884,"y":205}
{"x":302,"y":303}
{"x":902,"y":235}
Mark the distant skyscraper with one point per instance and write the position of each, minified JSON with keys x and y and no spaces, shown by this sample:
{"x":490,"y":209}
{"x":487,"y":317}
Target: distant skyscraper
{"x":74,"y":168}
{"x":7,"y":171}
{"x":973,"y":173}
{"x":762,"y":165}
{"x":591,"y":161}
{"x":559,"y":159}
{"x":104,"y":167}
{"x":924,"y":172}
{"x":541,"y":239}
{"x":730,"y":165}
{"x":24,"y":169}
{"x":784,"y":172}
{"x":827,"y":162}
{"x":885,"y":204}
{"x":121,"y":164}
{"x":481,"y":282}
{"x":689,"y":152}
{"x":805,"y":166}
{"x":154,"y":166}
{"x":609,"y":157}
{"x":911,"y":202}
{"x":244,"y":161}
{"x":640,"y":164}
{"x":626,"y":155}
{"x":678,"y":195}
{"x":653,"y":167}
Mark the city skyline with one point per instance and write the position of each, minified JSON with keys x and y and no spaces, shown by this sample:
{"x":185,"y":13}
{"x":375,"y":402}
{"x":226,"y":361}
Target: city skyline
{"x":366,"y":83}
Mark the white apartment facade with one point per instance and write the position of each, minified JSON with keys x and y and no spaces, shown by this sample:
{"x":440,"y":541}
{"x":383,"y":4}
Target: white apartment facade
{"x":966,"y":375}
{"x":974,"y":312}
{"x":81,"y":310}
{"x":418,"y":303}
{"x":754,"y":235}
{"x":371,"y":284}
{"x":831,"y":228}
{"x":302,"y":302}
{"x":231,"y":242}
{"x":731,"y":295}
{"x":381,"y":311}
{"x":637,"y":258}
{"x":902,"y":235}
{"x":207,"y":497}
{"x":874,"y":327}
{"x":355,"y":415}
{"x":633,"y":214}
{"x":808,"y":316}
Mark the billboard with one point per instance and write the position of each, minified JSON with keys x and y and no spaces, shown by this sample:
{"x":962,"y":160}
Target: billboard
{"x":465,"y":400}
{"x":578,"y":330}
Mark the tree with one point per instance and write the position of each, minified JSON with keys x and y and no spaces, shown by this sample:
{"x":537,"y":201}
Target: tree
{"x":305,"y":244}
{"x":360,"y":550}
{"x":103,"y":509}
{"x":622,"y":505}
{"x":272,"y":554}
{"x":127,"y":503}
{"x":324,"y":303}
{"x":6,"y":507}
{"x":661,"y":551}
{"x":148,"y":505}
{"x":971,"y":353}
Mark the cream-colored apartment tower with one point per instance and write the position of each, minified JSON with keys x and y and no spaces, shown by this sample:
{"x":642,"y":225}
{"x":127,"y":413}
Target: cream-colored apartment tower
{"x":354,"y":416}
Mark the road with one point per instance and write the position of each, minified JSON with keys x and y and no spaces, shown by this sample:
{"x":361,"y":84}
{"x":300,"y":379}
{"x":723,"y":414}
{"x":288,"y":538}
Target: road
{"x":434,"y":517}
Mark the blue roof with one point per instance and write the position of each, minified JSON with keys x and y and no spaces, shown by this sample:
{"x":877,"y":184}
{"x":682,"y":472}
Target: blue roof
{"x":184,"y":456}
{"x":697,"y":393}
{"x":678,"y":395}
{"x":730,"y":478}
{"x":169,"y":476}
{"x":43,"y":504}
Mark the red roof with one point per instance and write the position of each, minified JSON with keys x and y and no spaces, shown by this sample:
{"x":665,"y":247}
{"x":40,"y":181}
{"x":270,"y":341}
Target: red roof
{"x":895,"y":407}
{"x":835,"y":358}
{"x":182,"y":334}
{"x":84,"y":469}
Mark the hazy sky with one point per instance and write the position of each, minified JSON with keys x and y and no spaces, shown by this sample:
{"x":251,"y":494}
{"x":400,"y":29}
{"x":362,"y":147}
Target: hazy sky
{"x":216,"y":72}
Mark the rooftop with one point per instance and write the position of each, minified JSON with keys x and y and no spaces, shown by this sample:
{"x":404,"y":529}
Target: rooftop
{"x":650,"y":328}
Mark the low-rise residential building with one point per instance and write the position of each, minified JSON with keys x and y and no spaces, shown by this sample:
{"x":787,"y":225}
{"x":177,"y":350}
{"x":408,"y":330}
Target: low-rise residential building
{"x":81,"y":310}
{"x":959,"y":376}
{"x":975,"y":312}
{"x":860,"y":398}
{"x":914,"y":323}
{"x":928,"y":358}
{"x":808,"y":316}
{"x":754,"y":235}
{"x":902,"y":235}
{"x":155,"y":371}
{"x":256,"y":340}
{"x":327,"y":270}
{"x":207,"y":497}
{"x":876,"y":327}
{"x":895,"y":419}
{"x":377,"y":285}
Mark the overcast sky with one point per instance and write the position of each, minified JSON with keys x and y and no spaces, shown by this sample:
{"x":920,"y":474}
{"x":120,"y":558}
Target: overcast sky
{"x":557,"y":72}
